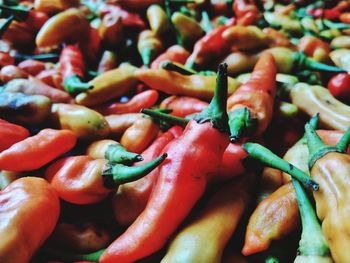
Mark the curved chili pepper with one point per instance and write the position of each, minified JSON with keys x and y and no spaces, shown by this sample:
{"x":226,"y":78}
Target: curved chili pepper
{"x":145,"y":99}
{"x":315,"y":48}
{"x":111,"y":30}
{"x":24,"y":204}
{"x":182,"y":106}
{"x":174,"y":53}
{"x":131,"y":198}
{"x":72,"y":69}
{"x":178,"y":186}
{"x":107,"y":62}
{"x":149,"y":45}
{"x":10,"y":72}
{"x":244,"y":9}
{"x":10,"y":134}
{"x":251,"y":105}
{"x":158,"y":20}
{"x":277,"y":38}
{"x":31,"y":66}
{"x":83,"y":180}
{"x":36,"y":151}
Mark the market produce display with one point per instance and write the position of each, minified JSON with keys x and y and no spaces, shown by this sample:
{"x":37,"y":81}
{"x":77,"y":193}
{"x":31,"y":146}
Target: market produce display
{"x":174,"y":131}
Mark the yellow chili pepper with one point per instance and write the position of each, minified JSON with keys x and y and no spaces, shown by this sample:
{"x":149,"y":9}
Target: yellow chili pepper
{"x":109,"y":85}
{"x":198,"y":86}
{"x":158,"y":20}
{"x":149,"y":46}
{"x":341,"y":58}
{"x":287,"y":23}
{"x":341,"y":42}
{"x":84,"y":122}
{"x":69,"y":24}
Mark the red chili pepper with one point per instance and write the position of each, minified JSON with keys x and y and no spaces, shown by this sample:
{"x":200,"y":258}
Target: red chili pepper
{"x":145,"y":99}
{"x":51,"y":77}
{"x":181,"y":182}
{"x":38,"y":150}
{"x":211,"y":46}
{"x":324,"y":13}
{"x":72,"y":69}
{"x":132,"y":198}
{"x":6,"y":59}
{"x":245,"y":9}
{"x":11,"y":72}
{"x":345,"y":17}
{"x":31,"y":66}
{"x":91,"y":46}
{"x":36,"y":19}
{"x":10,"y":134}
{"x":183,"y":106}
{"x":339,"y":86}
{"x":174,"y":53}
{"x":251,"y":106}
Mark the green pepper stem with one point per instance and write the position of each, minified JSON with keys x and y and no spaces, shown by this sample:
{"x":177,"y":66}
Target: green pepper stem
{"x":301,"y":61}
{"x":216,"y":111}
{"x":147,"y":55}
{"x":19,"y":12}
{"x":207,"y":25}
{"x":265,"y":156}
{"x":241,"y":124}
{"x":166,"y":117}
{"x":121,"y":174}
{"x":343,"y":144}
{"x":314,"y":123}
{"x":272,"y":259}
{"x":177,"y":67}
{"x":116,"y":153}
{"x":312,"y":242}
{"x":54,"y":254}
{"x":73,"y":84}
{"x":6,"y":25}
{"x":331,"y":24}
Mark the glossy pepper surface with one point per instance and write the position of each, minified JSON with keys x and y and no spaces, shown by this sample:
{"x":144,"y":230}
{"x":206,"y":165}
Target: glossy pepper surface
{"x":10,"y":134}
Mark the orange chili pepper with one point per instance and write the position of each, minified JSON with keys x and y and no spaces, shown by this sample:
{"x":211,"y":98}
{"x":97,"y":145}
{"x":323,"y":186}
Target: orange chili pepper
{"x":277,"y":38}
{"x":182,"y":106}
{"x":174,"y":53}
{"x":244,"y":9}
{"x":315,"y":48}
{"x":38,"y":150}
{"x":345,"y":17}
{"x":118,"y":123}
{"x":107,"y":62}
{"x":10,"y":134}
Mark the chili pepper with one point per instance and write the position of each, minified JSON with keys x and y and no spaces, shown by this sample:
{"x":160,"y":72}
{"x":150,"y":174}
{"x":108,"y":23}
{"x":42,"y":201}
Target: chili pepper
{"x":66,"y":25}
{"x":31,"y":66}
{"x":131,"y":198}
{"x":339,"y":86}
{"x":51,"y":77}
{"x":145,"y":99}
{"x":120,"y":122}
{"x":5,"y":25}
{"x":188,"y":29}
{"x":7,"y":177}
{"x":10,"y":72}
{"x":324,"y":13}
{"x":158,"y":19}
{"x":34,"y":86}
{"x":329,"y":166}
{"x":72,"y":69}
{"x":271,"y":180}
{"x":108,"y":61}
{"x":167,"y":193}
{"x":24,"y":204}
{"x":218,"y":220}
{"x":247,"y":118}
{"x":36,"y":151}
{"x":210,"y":46}
{"x":137,"y":4}
{"x":6,"y":59}
{"x":245,"y":8}
{"x":174,"y":53}
{"x":309,"y":26}
{"x":109,"y":85}
{"x":315,"y":48}
{"x":183,"y":106}
{"x":245,"y":37}
{"x":177,"y":67}
{"x":111,"y":30}
{"x":82,"y":121}
{"x":197,"y":86}
{"x":149,"y":46}
{"x":277,"y":38}
{"x":10,"y":134}
{"x":284,"y":21}
{"x":340,"y":42}
{"x":21,"y":108}
{"x":83,"y":180}
{"x":54,"y":6}
{"x":345,"y":17}
{"x":138,"y":136}
{"x":239,"y":62}
{"x":19,"y":34}
{"x":340,"y":58}
{"x":112,"y":151}
{"x":79,"y":238}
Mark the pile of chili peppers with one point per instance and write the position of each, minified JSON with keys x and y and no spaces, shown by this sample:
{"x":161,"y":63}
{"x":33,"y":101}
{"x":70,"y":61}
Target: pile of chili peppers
{"x":174,"y":131}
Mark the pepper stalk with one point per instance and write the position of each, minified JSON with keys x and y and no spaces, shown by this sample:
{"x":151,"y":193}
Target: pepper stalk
{"x":69,"y":257}
{"x":116,"y":153}
{"x":301,"y":61}
{"x":6,"y":25}
{"x":73,"y":84}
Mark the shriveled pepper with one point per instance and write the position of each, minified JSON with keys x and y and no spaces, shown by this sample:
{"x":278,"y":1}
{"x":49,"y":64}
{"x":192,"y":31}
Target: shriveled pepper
{"x":149,"y":46}
{"x":72,"y":68}
{"x":174,"y":53}
{"x":131,"y":198}
{"x":84,"y":180}
{"x":22,"y":108}
{"x":145,"y":99}
{"x":33,"y":86}
{"x":174,"y":83}
{"x":182,"y":106}
{"x":204,"y":238}
{"x":10,"y":134}
{"x":36,"y":151}
{"x":82,"y":121}
{"x":178,"y":186}
{"x":138,"y":136}
{"x":28,"y":203}
{"x":251,"y":106}
{"x":109,"y":85}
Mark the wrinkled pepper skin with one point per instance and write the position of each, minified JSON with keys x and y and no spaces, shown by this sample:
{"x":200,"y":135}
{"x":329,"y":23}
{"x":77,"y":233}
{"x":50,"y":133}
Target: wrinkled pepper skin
{"x":10,"y":134}
{"x":109,"y":85}
{"x":205,"y":237}
{"x":38,"y":150}
{"x":82,"y":121}
{"x":198,"y":86}
{"x":29,"y":211}
{"x":131,"y":198}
